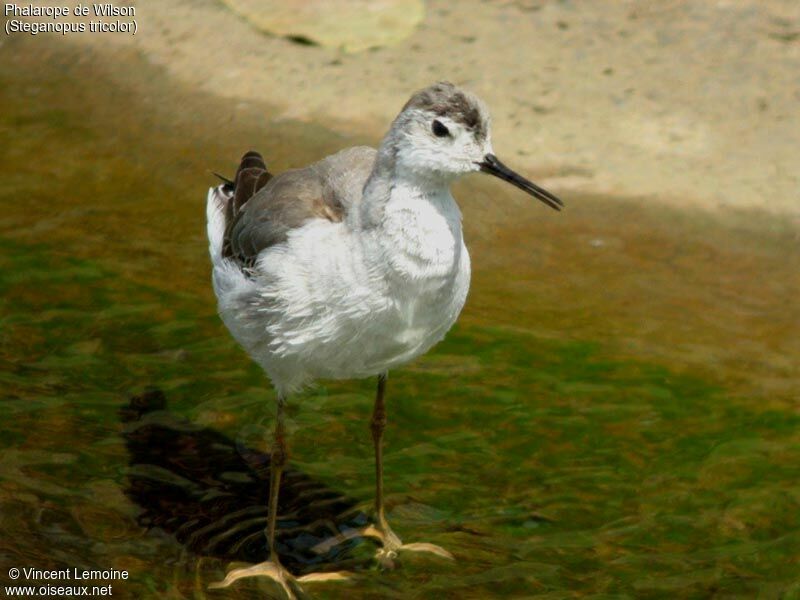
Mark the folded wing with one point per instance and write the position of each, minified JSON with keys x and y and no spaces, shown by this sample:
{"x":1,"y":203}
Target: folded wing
{"x":263,"y":209}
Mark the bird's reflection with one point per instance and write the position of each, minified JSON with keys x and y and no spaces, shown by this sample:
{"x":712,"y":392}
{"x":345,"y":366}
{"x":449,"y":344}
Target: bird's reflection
{"x":211,"y":494}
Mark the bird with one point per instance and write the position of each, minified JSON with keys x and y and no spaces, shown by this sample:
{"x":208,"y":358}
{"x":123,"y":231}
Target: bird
{"x":350,"y":267}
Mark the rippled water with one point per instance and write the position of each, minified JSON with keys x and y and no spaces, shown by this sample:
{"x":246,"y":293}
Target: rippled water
{"x":615,"y":414}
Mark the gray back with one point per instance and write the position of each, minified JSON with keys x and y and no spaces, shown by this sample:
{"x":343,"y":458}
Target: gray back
{"x":327,"y":189}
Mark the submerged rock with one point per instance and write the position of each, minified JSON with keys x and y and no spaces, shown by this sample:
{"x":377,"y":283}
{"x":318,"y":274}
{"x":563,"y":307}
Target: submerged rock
{"x":352,"y":25}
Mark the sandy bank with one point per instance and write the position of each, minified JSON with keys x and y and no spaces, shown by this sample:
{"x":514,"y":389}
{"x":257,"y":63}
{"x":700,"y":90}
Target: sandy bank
{"x":694,"y":103}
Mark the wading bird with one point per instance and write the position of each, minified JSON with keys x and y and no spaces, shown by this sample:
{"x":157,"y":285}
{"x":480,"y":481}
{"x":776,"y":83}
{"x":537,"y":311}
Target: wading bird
{"x":351,"y":266}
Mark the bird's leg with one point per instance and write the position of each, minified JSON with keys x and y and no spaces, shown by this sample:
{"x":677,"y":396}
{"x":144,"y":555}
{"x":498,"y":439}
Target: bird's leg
{"x":391,"y":543}
{"x":377,"y":424}
{"x":277,"y":462}
{"x":272,"y":567}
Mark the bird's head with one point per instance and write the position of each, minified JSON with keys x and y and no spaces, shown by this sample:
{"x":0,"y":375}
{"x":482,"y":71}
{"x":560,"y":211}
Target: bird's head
{"x":444,"y":132}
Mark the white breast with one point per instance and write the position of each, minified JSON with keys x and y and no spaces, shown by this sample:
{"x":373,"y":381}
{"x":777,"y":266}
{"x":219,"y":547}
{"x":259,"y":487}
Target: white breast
{"x":428,"y":271}
{"x":422,"y":238}
{"x":336,"y":303}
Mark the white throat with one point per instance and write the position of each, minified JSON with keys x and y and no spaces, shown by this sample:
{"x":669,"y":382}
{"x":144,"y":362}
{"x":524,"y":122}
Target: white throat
{"x":420,"y":233}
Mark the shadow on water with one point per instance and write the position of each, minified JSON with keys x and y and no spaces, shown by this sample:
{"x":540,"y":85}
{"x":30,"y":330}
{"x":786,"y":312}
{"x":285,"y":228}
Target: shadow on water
{"x":211,"y":494}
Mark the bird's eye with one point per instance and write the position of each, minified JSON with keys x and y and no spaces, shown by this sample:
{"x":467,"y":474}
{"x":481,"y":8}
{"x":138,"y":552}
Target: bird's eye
{"x":439,"y":129}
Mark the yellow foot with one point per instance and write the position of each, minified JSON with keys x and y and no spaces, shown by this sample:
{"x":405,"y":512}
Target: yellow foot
{"x":275,"y":571}
{"x":392,"y":545}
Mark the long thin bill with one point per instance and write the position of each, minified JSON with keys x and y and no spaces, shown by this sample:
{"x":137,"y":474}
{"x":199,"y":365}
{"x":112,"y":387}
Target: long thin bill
{"x":494,"y":167}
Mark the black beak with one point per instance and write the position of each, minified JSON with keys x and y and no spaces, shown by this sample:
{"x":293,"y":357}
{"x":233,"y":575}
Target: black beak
{"x":494,"y":167}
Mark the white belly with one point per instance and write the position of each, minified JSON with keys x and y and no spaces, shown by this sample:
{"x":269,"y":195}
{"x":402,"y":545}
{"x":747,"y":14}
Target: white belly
{"x":420,"y":313}
{"x":332,"y":303}
{"x":429,"y":275}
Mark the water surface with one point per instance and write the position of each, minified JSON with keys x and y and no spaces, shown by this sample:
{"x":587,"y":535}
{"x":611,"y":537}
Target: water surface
{"x":616,"y":413}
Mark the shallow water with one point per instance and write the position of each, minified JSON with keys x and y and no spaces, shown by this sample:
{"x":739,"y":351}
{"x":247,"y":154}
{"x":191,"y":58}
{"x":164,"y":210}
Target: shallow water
{"x":616,"y":413}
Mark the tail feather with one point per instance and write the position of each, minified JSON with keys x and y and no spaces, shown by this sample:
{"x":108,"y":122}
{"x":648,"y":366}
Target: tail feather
{"x":251,"y":176}
{"x":228,"y":183}
{"x":216,"y":205}
{"x":225,"y":201}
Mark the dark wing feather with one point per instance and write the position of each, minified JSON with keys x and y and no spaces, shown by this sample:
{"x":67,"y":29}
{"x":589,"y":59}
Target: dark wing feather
{"x":251,"y":176}
{"x":263,"y":208}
